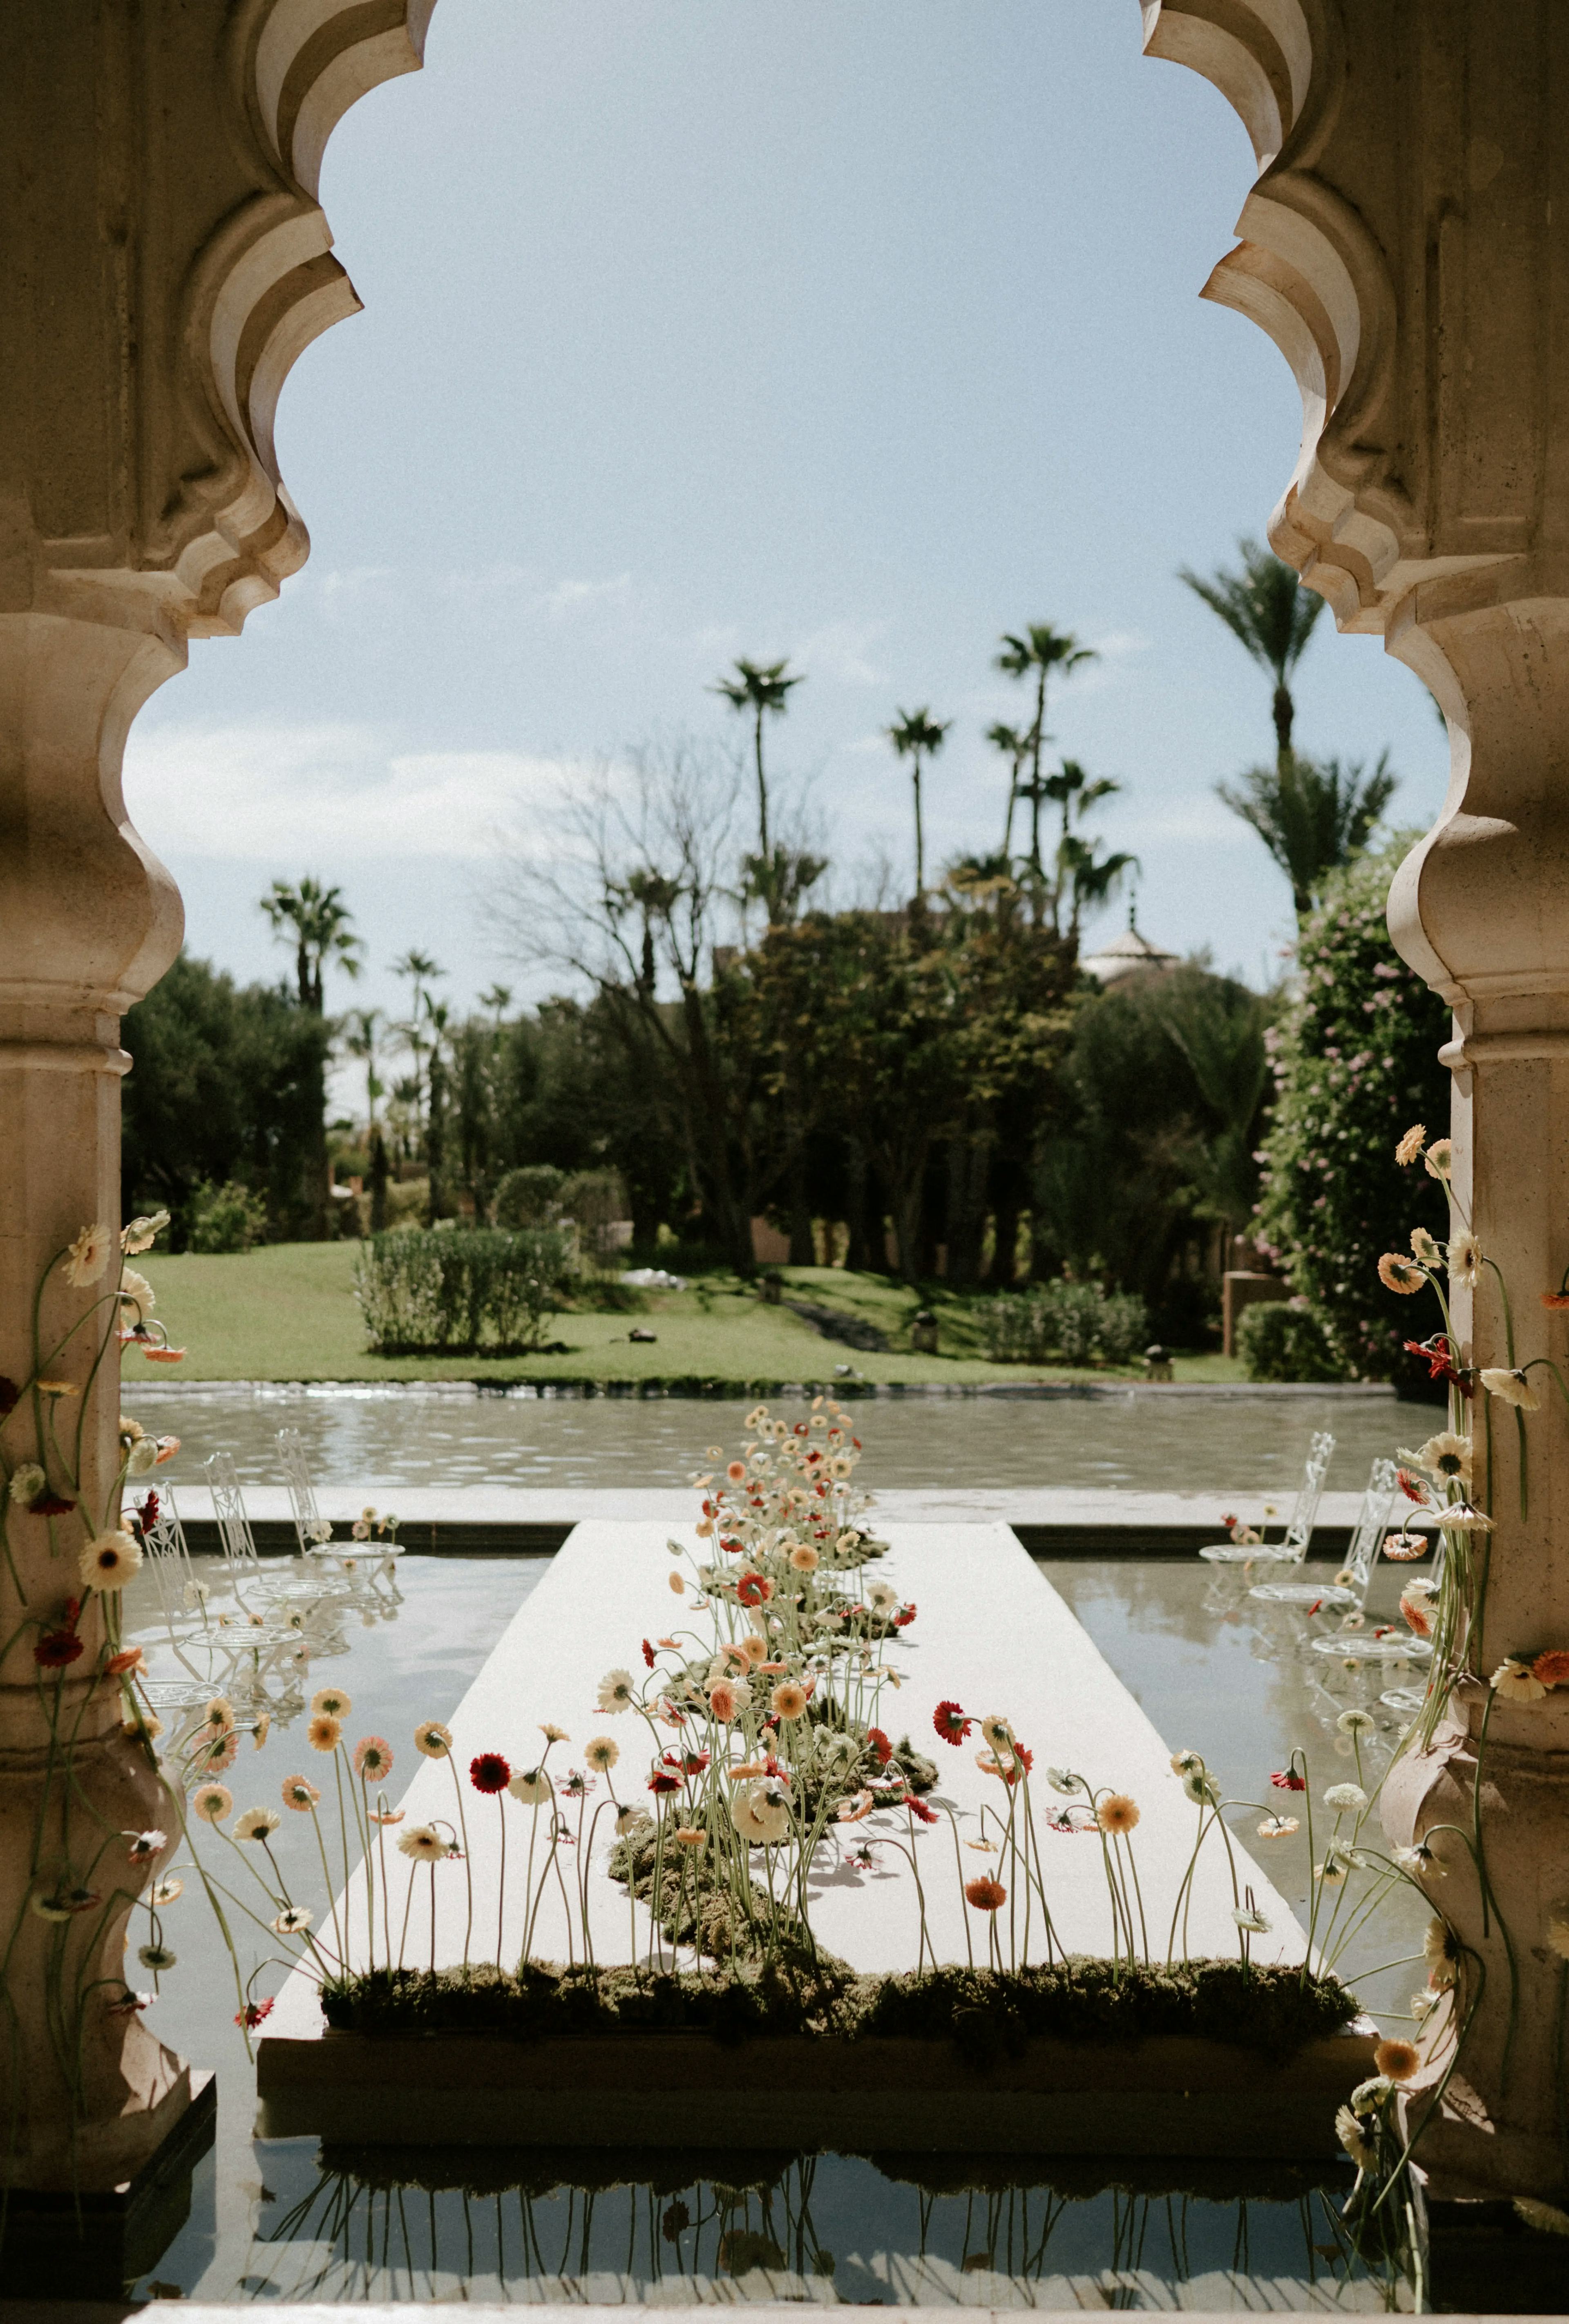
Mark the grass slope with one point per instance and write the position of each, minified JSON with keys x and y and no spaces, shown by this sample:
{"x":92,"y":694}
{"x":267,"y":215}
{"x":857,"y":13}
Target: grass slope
{"x":286,"y":1311}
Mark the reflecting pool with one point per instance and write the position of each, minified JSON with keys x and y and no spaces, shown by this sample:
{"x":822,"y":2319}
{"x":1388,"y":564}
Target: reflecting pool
{"x":379,"y":1438}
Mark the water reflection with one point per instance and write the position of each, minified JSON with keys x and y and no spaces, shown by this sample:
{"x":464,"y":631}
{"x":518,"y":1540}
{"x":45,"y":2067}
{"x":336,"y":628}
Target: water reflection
{"x":375,"y":1438}
{"x":362,"y":2225}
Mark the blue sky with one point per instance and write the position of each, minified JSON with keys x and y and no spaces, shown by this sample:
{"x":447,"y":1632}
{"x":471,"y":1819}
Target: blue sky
{"x":858,"y":331}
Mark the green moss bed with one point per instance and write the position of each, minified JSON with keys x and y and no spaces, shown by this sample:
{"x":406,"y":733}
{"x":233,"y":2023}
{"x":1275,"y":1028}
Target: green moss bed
{"x":988,"y":2014}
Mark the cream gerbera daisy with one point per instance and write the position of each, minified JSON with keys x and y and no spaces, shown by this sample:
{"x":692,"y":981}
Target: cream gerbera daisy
{"x":88,"y":1256}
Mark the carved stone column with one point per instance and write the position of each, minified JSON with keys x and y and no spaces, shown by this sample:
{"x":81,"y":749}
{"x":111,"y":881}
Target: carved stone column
{"x":162,"y":262}
{"x":1406,"y":245}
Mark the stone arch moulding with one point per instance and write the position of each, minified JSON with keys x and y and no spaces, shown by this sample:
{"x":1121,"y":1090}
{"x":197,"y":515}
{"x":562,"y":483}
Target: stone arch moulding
{"x":1312,"y":272}
{"x":258,"y":282}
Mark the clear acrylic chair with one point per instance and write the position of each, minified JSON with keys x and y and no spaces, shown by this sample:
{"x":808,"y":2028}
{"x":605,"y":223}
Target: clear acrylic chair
{"x":1372,"y":1518}
{"x":205,"y":1653}
{"x":253,"y":1585}
{"x":1293,"y":1547}
{"x":1398,"y":1645}
{"x":314,"y":1532}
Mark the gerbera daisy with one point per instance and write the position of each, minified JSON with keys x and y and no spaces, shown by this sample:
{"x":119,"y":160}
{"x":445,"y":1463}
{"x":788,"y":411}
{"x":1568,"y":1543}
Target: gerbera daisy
{"x":753,"y":1589}
{"x":213,"y":1802}
{"x":533,"y":1787}
{"x":1512,"y":1388}
{"x":951,"y":1724}
{"x":424,"y":1843}
{"x":144,"y":1846}
{"x":120,"y":1666}
{"x":1398,"y":1273}
{"x":1445,"y":1455}
{"x":788,"y":1698}
{"x":724,"y":1699}
{"x":300,"y":1793}
{"x":110,"y":1561}
{"x":372,"y":1759}
{"x":691,"y":1836}
{"x":1279,"y":1827}
{"x":293,"y":1921}
{"x":88,"y":1256}
{"x":1515,"y":1681}
{"x":1397,"y":2059}
{"x":1117,"y":1812}
{"x":489,"y":1772}
{"x":1553,"y":1667}
{"x":324,"y":1732}
{"x":56,"y":1649}
{"x":615,"y":1692}
{"x":602,"y":1752}
{"x":252,"y":2014}
{"x":1411,"y":1145}
{"x":986,"y":1895}
{"x":1465,"y":1261}
{"x":1439,"y":1158}
{"x":156,"y":1957}
{"x":331,"y":1701}
{"x":432,"y":1739}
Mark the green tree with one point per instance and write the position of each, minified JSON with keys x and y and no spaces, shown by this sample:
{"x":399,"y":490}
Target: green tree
{"x":1038,"y":651}
{"x":760,"y":690}
{"x":1312,"y":820}
{"x":225,"y":1088}
{"x":1356,"y":1062}
{"x":1271,"y":616}
{"x":915,"y":735}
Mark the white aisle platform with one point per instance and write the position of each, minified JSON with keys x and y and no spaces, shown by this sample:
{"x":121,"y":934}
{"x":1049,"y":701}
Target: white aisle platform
{"x":991,"y":1633}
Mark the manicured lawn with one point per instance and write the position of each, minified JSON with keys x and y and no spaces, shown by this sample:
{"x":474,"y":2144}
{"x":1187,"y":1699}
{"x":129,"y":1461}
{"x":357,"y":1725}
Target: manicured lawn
{"x":288,"y":1312}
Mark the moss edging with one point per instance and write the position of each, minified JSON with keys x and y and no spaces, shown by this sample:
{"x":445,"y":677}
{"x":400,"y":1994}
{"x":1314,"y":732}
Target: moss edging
{"x":1274,"y":2012}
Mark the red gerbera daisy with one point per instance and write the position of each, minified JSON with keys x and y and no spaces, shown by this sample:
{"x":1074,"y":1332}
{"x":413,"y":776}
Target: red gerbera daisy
{"x":490,"y":1772}
{"x":252,"y":2014}
{"x":662,"y":1780}
{"x":56,"y":1648}
{"x":1413,"y":1488}
{"x":1286,"y":1779}
{"x":648,"y":1653}
{"x":754,"y":1588}
{"x":904,"y":1618}
{"x":51,"y":1505}
{"x":919,"y":1808}
{"x":951,"y":1724}
{"x":987,"y":1896}
{"x":881,"y":1745}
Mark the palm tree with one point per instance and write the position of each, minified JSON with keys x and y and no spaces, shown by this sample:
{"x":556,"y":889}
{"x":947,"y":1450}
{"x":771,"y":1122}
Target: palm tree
{"x":1270,"y":615}
{"x":1040,"y":649}
{"x":1313,"y":818}
{"x":1015,"y":745}
{"x":498,"y":1000}
{"x":763,"y":689}
{"x":315,"y":921}
{"x":1088,"y":879}
{"x":916,"y":734}
{"x":421,"y":972}
{"x":362,"y":1041}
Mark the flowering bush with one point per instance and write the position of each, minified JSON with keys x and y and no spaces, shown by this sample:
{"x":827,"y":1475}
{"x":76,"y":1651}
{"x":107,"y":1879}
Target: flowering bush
{"x":1356,"y":1060}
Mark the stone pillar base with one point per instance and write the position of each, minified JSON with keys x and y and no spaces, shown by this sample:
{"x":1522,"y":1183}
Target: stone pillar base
{"x":94,"y":2244}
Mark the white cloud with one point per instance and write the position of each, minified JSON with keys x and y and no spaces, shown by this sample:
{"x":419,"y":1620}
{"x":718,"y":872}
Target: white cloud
{"x":249,"y":793}
{"x":842,"y":651}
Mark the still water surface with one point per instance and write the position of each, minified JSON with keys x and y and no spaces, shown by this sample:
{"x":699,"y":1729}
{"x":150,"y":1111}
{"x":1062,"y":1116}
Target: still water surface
{"x":287,"y":2219}
{"x":380,"y":1438}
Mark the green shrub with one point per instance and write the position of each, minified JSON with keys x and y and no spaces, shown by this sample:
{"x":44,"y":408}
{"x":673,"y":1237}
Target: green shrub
{"x":456,"y":1292}
{"x":595,"y":1200}
{"x":1075,"y":1323}
{"x":1356,"y":1063}
{"x":528,"y":1197}
{"x":1278,"y":1341}
{"x":227,"y":1218}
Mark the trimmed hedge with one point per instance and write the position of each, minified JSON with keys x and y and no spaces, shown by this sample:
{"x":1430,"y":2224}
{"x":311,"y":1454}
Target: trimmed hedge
{"x":1278,"y":1341}
{"x":461,"y":1291}
{"x":1073,"y":1323}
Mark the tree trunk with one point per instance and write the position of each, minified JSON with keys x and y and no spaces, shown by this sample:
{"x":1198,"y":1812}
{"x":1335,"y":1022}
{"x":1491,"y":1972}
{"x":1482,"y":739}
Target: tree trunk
{"x":858,"y":1256}
{"x":380,"y":1173}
